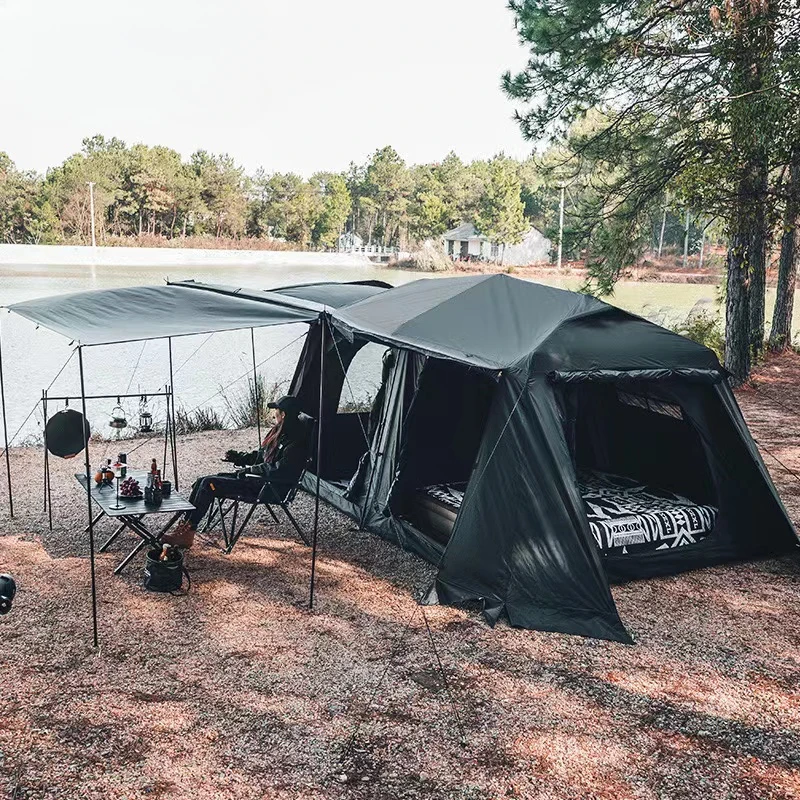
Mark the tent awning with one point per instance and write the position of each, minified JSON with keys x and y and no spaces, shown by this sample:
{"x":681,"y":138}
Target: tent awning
{"x":111,"y":316}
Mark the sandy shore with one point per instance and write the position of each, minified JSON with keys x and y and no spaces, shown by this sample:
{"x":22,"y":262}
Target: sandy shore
{"x":237,"y":691}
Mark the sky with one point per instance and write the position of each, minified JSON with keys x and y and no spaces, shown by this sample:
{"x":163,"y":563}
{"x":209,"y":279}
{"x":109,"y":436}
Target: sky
{"x":279,"y":84}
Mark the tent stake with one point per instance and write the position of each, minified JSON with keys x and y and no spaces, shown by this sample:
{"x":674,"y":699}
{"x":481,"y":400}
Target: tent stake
{"x":89,"y":502}
{"x":5,"y":434}
{"x":256,"y":393}
{"x":323,"y":323}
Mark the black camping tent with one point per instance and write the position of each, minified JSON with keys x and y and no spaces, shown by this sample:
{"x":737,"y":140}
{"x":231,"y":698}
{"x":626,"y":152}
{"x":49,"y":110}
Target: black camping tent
{"x":534,"y":443}
{"x":570,"y":443}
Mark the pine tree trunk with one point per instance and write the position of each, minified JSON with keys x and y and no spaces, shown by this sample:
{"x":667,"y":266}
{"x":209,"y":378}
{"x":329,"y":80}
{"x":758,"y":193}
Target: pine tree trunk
{"x":737,"y":309}
{"x":757,"y":259}
{"x":754,"y":39}
{"x":780,"y":337}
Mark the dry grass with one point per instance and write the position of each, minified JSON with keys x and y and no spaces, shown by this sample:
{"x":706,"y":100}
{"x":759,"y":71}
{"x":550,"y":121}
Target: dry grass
{"x":238,"y":691}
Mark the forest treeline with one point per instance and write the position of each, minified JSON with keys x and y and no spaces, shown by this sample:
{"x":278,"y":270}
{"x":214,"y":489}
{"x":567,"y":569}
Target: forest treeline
{"x":150,"y":191}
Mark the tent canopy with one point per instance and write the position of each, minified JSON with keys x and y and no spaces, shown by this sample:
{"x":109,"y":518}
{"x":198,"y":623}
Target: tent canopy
{"x":111,"y":316}
{"x":496,"y":322}
{"x":324,"y":296}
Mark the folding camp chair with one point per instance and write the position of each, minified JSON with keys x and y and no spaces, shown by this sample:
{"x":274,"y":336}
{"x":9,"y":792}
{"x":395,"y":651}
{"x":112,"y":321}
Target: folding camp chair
{"x":272,"y":494}
{"x":225,"y":511}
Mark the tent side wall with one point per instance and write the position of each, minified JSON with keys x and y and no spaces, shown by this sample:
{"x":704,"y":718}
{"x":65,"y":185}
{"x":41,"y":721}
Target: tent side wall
{"x":521,"y":543}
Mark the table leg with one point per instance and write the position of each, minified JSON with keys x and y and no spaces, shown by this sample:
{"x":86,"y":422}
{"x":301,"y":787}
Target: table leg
{"x":95,"y":521}
{"x":103,"y":547}
{"x":127,"y":560}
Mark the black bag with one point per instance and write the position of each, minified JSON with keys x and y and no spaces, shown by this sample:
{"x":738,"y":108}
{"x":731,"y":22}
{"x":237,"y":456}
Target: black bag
{"x":165,"y":576}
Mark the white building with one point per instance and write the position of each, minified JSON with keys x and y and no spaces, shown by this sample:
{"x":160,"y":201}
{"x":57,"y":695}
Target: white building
{"x":349,"y":241}
{"x":465,"y":242}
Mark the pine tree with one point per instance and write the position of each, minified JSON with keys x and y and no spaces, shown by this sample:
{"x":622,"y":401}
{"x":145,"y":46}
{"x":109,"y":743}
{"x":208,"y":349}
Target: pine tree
{"x":685,"y":89}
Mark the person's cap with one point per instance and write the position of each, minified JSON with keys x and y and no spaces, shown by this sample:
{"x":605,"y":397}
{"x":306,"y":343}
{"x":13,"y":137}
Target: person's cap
{"x":288,"y":404}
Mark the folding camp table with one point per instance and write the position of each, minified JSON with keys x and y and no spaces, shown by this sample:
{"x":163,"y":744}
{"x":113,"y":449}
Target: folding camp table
{"x":132,"y":514}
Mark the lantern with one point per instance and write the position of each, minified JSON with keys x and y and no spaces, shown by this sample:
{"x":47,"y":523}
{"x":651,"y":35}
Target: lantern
{"x":118,"y":420}
{"x":145,"y":417}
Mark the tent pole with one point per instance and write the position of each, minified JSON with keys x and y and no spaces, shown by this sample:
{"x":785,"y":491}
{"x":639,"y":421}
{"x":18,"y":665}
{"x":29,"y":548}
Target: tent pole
{"x":171,"y":404}
{"x":44,"y":436}
{"x":323,"y":323}
{"x":256,"y":393}
{"x":5,"y":434}
{"x":89,"y":501}
{"x":48,"y":496}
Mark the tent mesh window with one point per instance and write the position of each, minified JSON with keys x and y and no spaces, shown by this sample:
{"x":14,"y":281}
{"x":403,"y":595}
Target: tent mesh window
{"x":650,"y":404}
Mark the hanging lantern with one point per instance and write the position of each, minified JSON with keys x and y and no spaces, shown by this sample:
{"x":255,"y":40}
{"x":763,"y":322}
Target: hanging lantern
{"x":118,"y":420}
{"x":145,"y":417}
{"x":66,"y":433}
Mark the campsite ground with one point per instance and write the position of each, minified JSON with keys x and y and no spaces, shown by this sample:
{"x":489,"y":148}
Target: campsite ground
{"x":237,"y":691}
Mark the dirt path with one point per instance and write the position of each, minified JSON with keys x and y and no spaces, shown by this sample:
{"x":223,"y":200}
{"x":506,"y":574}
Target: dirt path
{"x":237,"y":691}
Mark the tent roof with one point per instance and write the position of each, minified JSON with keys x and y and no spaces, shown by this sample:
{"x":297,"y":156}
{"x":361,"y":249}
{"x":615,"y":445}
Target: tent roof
{"x":496,"y":321}
{"x":129,"y":314}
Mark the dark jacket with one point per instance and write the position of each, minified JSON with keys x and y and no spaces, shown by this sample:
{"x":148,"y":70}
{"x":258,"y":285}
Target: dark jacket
{"x":289,"y":458}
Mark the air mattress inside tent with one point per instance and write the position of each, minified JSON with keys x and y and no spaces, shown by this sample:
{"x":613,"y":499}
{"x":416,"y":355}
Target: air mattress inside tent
{"x":433,"y":509}
{"x":625,"y":517}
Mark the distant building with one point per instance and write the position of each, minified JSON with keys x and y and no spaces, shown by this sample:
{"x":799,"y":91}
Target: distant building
{"x":465,"y":242}
{"x":349,"y":241}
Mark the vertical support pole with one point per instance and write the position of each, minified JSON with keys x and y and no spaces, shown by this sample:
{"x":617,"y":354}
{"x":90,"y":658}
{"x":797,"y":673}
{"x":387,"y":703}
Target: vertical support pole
{"x":89,"y":502}
{"x":44,"y":436}
{"x":257,"y":394}
{"x":48,"y":496}
{"x":561,"y":225}
{"x":686,"y":241}
{"x":5,"y":434}
{"x":323,"y":324}
{"x":171,"y":405}
{"x":173,"y":429}
{"x":663,"y":224}
{"x":167,"y":429}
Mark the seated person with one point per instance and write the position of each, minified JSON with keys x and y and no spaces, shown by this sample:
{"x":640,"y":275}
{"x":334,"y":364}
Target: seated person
{"x":280,"y":461}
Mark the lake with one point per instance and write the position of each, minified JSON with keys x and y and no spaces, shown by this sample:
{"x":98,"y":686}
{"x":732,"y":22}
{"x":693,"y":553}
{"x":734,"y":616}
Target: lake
{"x":204,"y":365}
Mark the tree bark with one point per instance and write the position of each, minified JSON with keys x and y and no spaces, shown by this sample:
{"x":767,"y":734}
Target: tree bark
{"x":757,"y":261}
{"x":737,"y":309}
{"x":754,"y":40}
{"x":780,"y":337}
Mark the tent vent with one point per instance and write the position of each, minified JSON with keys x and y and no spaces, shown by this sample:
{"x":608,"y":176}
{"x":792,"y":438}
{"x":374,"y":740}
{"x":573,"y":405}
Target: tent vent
{"x":650,"y":404}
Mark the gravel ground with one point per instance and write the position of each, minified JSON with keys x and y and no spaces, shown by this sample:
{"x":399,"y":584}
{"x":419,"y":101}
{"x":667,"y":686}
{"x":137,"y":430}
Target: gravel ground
{"x":236,"y":690}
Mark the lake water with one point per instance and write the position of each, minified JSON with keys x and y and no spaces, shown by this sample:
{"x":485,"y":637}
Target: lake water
{"x":32,"y":357}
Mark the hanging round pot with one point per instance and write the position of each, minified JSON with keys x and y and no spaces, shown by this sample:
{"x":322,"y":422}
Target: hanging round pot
{"x":66,"y":433}
{"x":118,"y":419}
